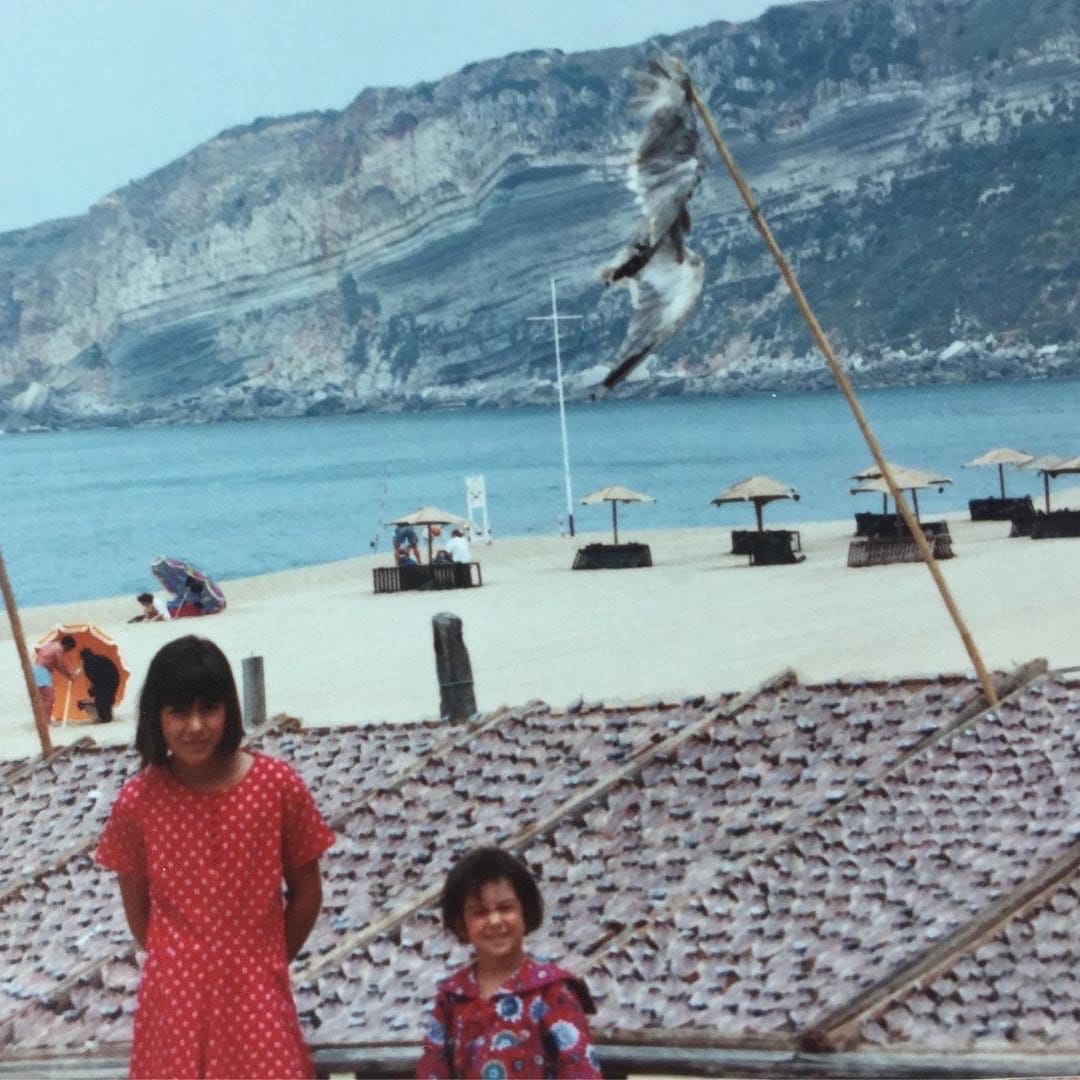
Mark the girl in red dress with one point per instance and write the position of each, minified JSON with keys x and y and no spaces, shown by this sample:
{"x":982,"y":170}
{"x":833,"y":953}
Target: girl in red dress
{"x":202,"y":839}
{"x":505,"y":1015}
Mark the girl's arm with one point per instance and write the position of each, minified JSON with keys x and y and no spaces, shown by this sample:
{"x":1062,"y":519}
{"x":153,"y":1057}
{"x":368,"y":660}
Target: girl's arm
{"x":135,"y":895}
{"x":567,"y":1029}
{"x":303,"y":901}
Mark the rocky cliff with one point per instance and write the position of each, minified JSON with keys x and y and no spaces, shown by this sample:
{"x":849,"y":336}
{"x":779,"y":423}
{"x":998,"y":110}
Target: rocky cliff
{"x":917,"y":160}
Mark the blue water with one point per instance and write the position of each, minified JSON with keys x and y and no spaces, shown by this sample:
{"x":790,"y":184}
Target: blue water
{"x":85,"y":512}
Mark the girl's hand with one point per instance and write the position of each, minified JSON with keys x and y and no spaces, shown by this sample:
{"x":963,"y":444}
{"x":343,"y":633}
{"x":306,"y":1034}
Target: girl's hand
{"x":303,"y":900}
{"x":135,"y":894}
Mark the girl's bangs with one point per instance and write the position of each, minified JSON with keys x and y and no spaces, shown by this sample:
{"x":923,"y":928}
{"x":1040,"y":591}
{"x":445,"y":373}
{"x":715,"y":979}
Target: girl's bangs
{"x":195,"y":678}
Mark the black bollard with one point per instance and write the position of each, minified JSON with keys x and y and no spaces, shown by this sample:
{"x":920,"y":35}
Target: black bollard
{"x":254,"y":692}
{"x":456,"y":699}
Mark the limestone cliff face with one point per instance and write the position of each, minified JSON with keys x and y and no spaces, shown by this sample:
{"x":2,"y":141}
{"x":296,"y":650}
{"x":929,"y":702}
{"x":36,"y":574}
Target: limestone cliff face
{"x":918,"y":161}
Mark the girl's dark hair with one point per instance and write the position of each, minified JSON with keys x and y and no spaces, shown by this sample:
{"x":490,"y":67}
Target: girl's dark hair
{"x":186,"y":670}
{"x":480,"y":867}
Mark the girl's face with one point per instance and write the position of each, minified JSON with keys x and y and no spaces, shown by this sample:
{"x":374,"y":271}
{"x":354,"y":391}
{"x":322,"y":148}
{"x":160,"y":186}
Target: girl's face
{"x":495,"y":925}
{"x":193,"y":732}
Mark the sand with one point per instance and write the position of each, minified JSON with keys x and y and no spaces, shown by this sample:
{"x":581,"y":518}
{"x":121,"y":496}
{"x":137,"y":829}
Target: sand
{"x":700,"y":621}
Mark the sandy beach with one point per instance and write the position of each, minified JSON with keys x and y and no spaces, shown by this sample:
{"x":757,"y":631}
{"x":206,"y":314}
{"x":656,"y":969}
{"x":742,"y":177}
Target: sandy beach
{"x":700,"y":621}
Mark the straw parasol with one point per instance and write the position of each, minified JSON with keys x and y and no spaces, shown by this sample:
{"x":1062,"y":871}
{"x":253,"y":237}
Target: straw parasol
{"x":1000,"y":457}
{"x":615,"y":494}
{"x":905,"y":479}
{"x":759,"y":490}
{"x":428,"y":516}
{"x":1052,"y":465}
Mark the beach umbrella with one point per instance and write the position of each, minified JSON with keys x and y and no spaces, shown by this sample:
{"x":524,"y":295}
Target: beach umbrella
{"x":906,"y":479}
{"x":1052,"y":465}
{"x":615,"y":494}
{"x":872,"y":472}
{"x":429,"y":516}
{"x":759,"y":490}
{"x":1000,"y":457}
{"x":188,"y":584}
{"x":69,"y":694}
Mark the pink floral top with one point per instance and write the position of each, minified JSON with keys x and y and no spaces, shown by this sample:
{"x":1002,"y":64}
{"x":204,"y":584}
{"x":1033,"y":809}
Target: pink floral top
{"x":215,"y":998}
{"x":534,"y":1025}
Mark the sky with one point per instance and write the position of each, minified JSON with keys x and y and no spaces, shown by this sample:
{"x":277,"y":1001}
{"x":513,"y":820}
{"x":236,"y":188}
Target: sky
{"x":96,"y":93}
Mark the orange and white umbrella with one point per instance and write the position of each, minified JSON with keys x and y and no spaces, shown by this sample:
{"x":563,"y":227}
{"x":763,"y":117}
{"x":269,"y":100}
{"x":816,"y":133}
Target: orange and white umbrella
{"x":69,"y":694}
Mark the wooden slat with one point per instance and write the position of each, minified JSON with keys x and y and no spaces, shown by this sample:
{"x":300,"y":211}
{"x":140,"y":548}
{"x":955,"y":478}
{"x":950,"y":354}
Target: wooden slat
{"x":634,"y":765}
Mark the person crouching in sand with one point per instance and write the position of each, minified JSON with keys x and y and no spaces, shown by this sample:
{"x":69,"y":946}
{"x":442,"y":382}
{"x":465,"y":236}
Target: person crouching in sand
{"x":505,"y":1014}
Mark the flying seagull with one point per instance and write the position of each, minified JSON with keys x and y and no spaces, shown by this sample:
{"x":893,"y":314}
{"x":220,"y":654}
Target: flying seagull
{"x":663,"y":275}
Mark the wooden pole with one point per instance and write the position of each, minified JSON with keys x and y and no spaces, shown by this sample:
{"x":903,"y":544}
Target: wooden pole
{"x":849,"y":393}
{"x":41,"y":721}
{"x":457,"y":701}
{"x":254,"y":691}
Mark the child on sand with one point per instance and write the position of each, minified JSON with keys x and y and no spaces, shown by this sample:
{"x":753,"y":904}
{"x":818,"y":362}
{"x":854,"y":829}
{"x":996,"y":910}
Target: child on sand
{"x":202,"y":839}
{"x":154,"y":609}
{"x":505,"y":1014}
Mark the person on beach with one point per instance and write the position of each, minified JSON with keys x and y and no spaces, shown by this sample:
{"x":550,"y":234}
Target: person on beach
{"x":201,"y":840}
{"x":406,"y":546}
{"x":458,"y":547}
{"x":49,"y":660}
{"x":505,"y":1014}
{"x":154,"y":609}
{"x":104,"y":678}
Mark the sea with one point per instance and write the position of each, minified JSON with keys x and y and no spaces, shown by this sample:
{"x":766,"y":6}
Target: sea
{"x":84,"y":512}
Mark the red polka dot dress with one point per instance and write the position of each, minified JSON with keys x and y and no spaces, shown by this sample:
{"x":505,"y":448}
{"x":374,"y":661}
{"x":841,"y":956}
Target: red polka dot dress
{"x":215,"y":999}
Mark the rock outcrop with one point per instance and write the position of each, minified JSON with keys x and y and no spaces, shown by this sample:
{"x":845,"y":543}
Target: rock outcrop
{"x":917,"y":160}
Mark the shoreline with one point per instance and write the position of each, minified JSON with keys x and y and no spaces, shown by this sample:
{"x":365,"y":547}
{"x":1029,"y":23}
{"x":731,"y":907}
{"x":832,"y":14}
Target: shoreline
{"x":699,"y":621}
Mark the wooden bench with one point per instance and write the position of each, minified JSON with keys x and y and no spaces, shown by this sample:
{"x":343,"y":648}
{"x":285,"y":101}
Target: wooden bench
{"x":776,"y":547}
{"x":995,"y":509}
{"x":456,"y":575}
{"x":874,"y":552}
{"x":893,"y":527}
{"x":1055,"y":525}
{"x":612,"y":556}
{"x":389,"y":579}
{"x":743,"y":541}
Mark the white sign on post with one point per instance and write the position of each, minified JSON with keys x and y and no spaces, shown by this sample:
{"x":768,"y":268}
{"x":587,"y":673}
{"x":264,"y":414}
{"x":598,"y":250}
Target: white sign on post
{"x":476,"y":500}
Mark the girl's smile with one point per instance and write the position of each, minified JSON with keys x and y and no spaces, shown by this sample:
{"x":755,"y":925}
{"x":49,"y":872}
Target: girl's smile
{"x":495,"y":928}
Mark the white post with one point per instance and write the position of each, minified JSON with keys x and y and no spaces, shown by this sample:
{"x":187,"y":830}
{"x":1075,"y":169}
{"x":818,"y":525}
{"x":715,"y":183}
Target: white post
{"x":555,"y":317}
{"x":476,"y":499}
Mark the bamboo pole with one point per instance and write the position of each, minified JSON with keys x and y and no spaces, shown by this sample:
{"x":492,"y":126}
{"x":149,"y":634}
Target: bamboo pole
{"x":849,"y":393}
{"x":41,"y":721}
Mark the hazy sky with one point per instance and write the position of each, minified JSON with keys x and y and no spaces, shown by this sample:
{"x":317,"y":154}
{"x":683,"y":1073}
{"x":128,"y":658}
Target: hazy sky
{"x":99,"y":92}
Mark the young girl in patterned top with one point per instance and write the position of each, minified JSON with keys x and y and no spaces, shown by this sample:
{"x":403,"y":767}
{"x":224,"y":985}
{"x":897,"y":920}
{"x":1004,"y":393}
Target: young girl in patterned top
{"x":505,"y":1015}
{"x":202,"y":840}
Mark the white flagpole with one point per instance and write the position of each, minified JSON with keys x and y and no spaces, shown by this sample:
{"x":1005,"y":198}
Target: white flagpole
{"x":555,"y":317}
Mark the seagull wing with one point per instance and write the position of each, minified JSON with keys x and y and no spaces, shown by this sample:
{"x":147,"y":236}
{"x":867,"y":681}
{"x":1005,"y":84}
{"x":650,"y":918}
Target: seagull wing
{"x":667,"y":167}
{"x":664,"y":276}
{"x":663,"y":294}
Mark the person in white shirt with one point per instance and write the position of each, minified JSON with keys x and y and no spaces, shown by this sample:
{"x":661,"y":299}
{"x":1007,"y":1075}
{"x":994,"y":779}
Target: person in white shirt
{"x":153,"y":609}
{"x":458,"y":547}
